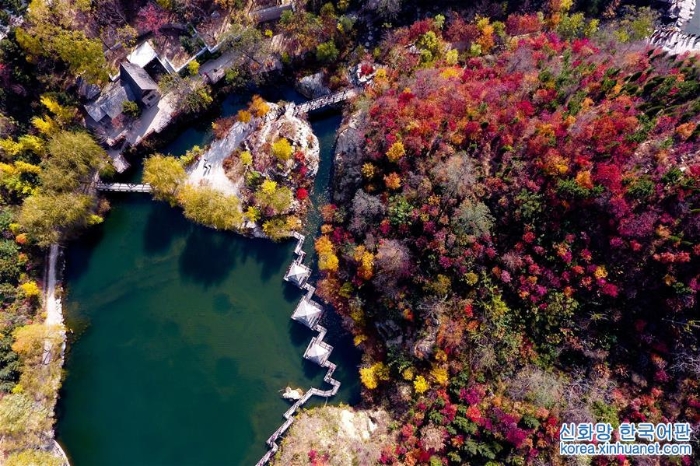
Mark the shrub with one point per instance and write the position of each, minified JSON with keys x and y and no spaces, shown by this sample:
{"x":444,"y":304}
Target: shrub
{"x":282,"y":149}
{"x":130,"y":108}
{"x":327,"y":52}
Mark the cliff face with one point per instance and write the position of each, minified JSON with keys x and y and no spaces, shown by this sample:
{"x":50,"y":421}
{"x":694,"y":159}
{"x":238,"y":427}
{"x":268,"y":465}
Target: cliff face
{"x":337,"y":436}
{"x":312,"y":86}
{"x":348,"y":158}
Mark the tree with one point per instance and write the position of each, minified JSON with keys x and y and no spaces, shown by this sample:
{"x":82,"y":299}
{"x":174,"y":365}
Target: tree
{"x":33,"y":458}
{"x":456,"y":175}
{"x":258,"y":106}
{"x":282,"y":149}
{"x":165,"y":175}
{"x":23,"y":422}
{"x":473,"y":219}
{"x":211,"y":207}
{"x":327,"y":260}
{"x":366,"y":210}
{"x":387,"y":9}
{"x":74,"y":158}
{"x":393,"y":259}
{"x":30,"y":341}
{"x":420,"y":385}
{"x":276,"y":200}
{"x":247,"y":41}
{"x":392,"y":181}
{"x":371,"y":376}
{"x":395,"y":152}
{"x":637,"y":24}
{"x":46,"y":34}
{"x":46,"y":217}
{"x":192,"y":95}
{"x":152,"y":18}
{"x":327,"y":52}
{"x":198,"y":98}
{"x":9,"y":266}
{"x":193,"y":68}
{"x":131,"y":108}
{"x":276,"y":229}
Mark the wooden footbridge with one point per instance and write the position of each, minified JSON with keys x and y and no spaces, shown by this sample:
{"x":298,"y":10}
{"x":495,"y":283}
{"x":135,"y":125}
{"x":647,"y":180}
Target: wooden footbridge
{"x":123,"y":187}
{"x":325,"y":101}
{"x":307,"y":312}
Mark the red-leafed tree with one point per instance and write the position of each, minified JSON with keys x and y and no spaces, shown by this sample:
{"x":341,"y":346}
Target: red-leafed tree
{"x":151,"y":18}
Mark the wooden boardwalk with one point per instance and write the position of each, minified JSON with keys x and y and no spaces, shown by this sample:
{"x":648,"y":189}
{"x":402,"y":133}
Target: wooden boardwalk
{"x":123,"y":187}
{"x":288,"y":415}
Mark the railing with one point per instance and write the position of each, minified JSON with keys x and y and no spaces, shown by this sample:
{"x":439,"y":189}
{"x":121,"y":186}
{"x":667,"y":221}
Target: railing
{"x":328,"y":378}
{"x":124,"y":187}
{"x":325,"y":101}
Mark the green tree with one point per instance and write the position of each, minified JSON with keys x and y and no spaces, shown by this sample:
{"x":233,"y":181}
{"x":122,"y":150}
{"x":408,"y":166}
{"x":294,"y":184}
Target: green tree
{"x":73,"y":159}
{"x":33,"y":458}
{"x":276,"y":229}
{"x":23,"y":421}
{"x":192,"y":95}
{"x":430,"y":42}
{"x":473,"y":219}
{"x":9,"y":266}
{"x":46,"y":217}
{"x":47,"y":34}
{"x":165,"y":175}
{"x":327,"y":52}
{"x":276,"y":201}
{"x":637,"y":24}
{"x":9,"y":364}
{"x":211,"y":207}
{"x":131,"y":108}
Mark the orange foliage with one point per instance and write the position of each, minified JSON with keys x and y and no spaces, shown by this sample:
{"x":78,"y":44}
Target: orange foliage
{"x":392,"y":181}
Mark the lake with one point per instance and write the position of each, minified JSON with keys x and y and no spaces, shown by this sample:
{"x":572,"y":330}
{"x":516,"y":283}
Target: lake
{"x":181,"y":336}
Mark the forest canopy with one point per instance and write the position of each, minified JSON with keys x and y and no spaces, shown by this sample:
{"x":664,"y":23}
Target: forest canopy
{"x":520,"y":247}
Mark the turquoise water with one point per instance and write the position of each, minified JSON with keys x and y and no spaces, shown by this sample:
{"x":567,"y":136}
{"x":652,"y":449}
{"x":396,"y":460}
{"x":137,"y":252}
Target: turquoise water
{"x":181,"y":336}
{"x":693,"y":26}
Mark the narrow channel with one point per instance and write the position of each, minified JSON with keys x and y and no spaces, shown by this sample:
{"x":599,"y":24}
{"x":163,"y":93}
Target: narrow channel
{"x":181,"y":334}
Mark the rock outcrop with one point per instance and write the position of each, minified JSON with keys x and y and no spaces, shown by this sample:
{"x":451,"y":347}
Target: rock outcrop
{"x":348,"y":159}
{"x":340,"y":436}
{"x":312,"y":86}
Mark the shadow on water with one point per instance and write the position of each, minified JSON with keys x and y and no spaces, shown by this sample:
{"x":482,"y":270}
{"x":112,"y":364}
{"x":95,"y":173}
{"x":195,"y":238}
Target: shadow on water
{"x":162,"y":228}
{"x":292,"y":293}
{"x":299,"y":334}
{"x":313,"y":370}
{"x":189,"y":378}
{"x":82,"y":250}
{"x":208,"y":256}
{"x":269,"y":256}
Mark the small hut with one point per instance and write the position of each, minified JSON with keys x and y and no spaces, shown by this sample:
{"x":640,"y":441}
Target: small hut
{"x":297,"y":273}
{"x":307,"y":312}
{"x":318,"y":351}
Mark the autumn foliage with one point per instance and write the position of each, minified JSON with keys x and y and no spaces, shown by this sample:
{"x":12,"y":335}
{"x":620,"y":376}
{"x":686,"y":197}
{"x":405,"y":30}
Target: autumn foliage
{"x":535,"y":208}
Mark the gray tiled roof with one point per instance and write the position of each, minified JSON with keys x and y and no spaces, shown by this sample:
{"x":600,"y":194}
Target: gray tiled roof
{"x":110,"y":102}
{"x":139,"y":77}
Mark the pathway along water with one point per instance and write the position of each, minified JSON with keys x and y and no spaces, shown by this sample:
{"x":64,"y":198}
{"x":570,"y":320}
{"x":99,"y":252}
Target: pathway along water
{"x":182,"y":335}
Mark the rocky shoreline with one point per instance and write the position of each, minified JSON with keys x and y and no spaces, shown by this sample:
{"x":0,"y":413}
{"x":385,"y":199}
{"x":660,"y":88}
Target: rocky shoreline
{"x":673,"y":38}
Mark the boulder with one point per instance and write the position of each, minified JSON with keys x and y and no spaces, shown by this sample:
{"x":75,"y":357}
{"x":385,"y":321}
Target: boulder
{"x":312,"y":86}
